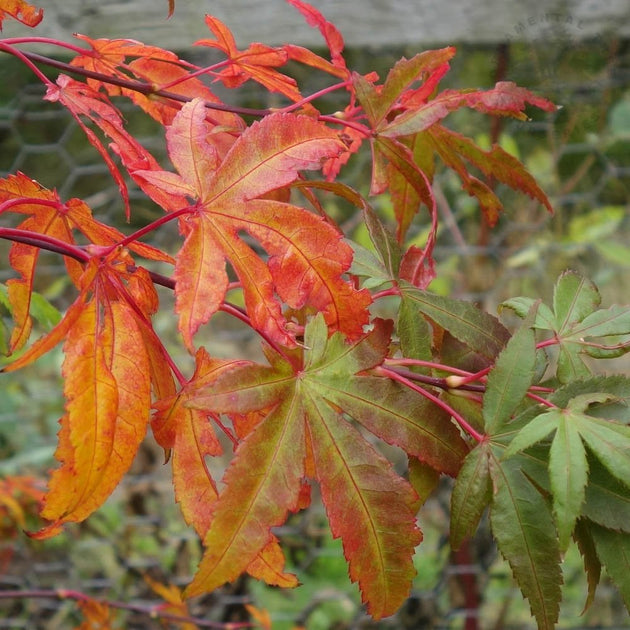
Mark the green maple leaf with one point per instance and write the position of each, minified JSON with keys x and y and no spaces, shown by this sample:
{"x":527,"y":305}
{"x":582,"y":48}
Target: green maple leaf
{"x":304,"y":433}
{"x":574,"y":430}
{"x":579,"y":326}
{"x":524,"y":530}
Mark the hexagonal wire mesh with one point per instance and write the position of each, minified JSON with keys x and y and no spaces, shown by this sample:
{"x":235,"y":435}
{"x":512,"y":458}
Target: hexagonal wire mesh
{"x":581,"y":156}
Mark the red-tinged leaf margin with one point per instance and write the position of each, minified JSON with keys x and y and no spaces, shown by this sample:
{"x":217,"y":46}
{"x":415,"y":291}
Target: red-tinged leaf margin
{"x":496,"y":163}
{"x":21,"y":11}
{"x":262,"y":484}
{"x":384,"y":566}
{"x":368,"y":506}
{"x":107,"y":386}
{"x":330,"y":33}
{"x":505,"y":99}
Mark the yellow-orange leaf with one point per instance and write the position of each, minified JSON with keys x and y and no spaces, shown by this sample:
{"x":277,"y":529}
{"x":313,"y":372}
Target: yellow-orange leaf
{"x":269,"y":566}
{"x":189,"y":435}
{"x":107,"y":386}
{"x":97,"y":616}
{"x":112,"y":358}
{"x":49,"y":216}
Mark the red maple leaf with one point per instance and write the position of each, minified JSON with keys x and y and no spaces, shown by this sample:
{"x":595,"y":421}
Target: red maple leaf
{"x":305,"y":256}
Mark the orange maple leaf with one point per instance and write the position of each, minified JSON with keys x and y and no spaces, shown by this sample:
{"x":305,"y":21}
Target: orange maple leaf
{"x":188,"y":434}
{"x":50,"y":216}
{"x":307,"y":257}
{"x":21,"y":11}
{"x":97,"y":615}
{"x":258,"y":62}
{"x":330,"y":33}
{"x":81,"y":100}
{"x":109,"y":56}
{"x":163,"y":70}
{"x":109,"y":350}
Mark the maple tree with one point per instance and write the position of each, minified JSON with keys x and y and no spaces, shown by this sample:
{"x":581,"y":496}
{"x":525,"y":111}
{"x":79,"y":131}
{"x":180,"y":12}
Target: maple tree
{"x":538,"y":439}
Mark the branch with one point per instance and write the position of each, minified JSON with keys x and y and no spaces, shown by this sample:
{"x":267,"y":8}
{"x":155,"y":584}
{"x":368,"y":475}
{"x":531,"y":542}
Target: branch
{"x":150,"y":611}
{"x":461,"y":421}
{"x":43,"y":241}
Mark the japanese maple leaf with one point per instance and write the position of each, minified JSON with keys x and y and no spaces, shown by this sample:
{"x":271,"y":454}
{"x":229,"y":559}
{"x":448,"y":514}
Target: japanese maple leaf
{"x":305,"y":433}
{"x":48,"y":215}
{"x":307,"y":257}
{"x":187,"y":434}
{"x":162,"y":69}
{"x":331,"y":35}
{"x":408,"y":133}
{"x":258,"y":62}
{"x":175,"y":79}
{"x":109,"y":57}
{"x":21,"y":11}
{"x":81,"y":100}
{"x":111,"y":358}
{"x":505,"y":99}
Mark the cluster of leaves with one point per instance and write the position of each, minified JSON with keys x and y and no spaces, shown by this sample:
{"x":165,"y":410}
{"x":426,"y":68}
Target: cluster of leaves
{"x":534,"y":436}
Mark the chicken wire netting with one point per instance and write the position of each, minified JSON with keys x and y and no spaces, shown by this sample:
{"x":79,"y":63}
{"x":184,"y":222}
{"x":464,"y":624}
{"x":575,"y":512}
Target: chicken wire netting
{"x":581,"y":157}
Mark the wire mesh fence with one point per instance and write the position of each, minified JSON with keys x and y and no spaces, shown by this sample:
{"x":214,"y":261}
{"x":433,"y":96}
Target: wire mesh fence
{"x":580,"y":155}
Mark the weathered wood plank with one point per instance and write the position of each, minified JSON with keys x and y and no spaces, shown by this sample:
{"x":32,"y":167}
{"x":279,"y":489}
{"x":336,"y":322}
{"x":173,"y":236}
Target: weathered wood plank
{"x":362,"y":22}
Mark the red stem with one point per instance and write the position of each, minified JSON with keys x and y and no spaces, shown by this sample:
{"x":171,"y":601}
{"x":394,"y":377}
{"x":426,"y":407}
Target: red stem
{"x":314,"y":96}
{"x":141,"y":87}
{"x":442,"y":383}
{"x":541,"y":400}
{"x":226,"y":307}
{"x":24,"y":201}
{"x":554,"y":341}
{"x":43,"y":241}
{"x":147,"y":229}
{"x":428,"y":364}
{"x":392,"y":291}
{"x":477,"y":376}
{"x":149,"y":329}
{"x":461,"y":421}
{"x":334,"y":120}
{"x":25,"y":58}
{"x":197,"y":73}
{"x":47,"y":40}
